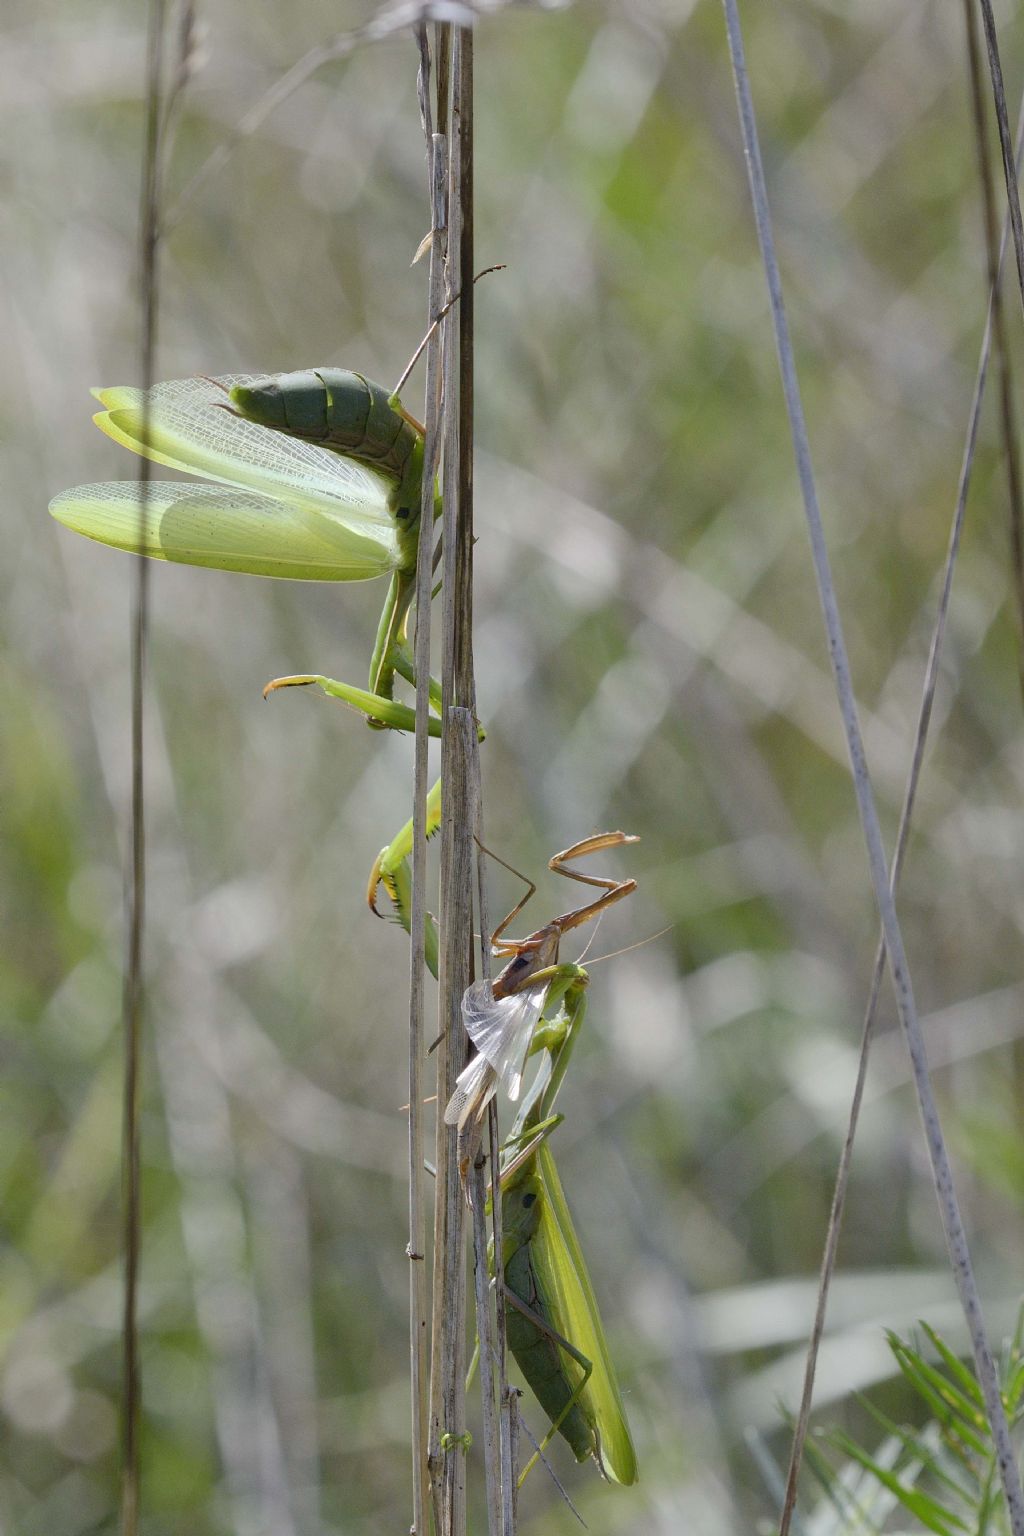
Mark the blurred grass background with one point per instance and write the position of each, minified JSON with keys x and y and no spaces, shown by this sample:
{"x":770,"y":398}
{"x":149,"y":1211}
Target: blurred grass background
{"x":649,"y":656}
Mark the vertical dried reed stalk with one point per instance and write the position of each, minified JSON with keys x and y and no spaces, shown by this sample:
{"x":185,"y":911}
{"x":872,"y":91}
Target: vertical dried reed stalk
{"x":133,"y":996}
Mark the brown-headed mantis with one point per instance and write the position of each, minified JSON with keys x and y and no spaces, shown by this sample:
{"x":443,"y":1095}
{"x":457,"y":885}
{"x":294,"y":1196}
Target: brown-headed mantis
{"x":553,"y":1327}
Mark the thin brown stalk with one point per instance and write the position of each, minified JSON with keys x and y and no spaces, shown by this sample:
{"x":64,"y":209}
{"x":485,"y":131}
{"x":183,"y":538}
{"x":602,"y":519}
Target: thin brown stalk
{"x":462,"y":239}
{"x":1006,"y":148}
{"x":443,"y":53}
{"x":499,"y":1463}
{"x":424,"y":566}
{"x":448,"y":1295}
{"x":508,"y":1397}
{"x":509,"y":1427}
{"x":490,"y":1325}
{"x":447,"y":1427}
{"x":1007,"y":407}
{"x":134,"y":987}
{"x":447,"y":1399}
{"x":477,"y":1183}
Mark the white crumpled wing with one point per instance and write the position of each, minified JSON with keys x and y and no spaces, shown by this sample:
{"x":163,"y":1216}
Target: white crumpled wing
{"x":502,"y":1028}
{"x":474,"y":1087}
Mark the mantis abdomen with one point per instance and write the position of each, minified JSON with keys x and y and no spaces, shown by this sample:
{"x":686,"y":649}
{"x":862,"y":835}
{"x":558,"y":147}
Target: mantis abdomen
{"x":545,"y":1359}
{"x":338,"y":410}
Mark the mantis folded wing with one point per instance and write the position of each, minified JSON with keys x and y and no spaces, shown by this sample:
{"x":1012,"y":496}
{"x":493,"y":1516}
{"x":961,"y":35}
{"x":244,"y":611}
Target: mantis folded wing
{"x":545,"y":1357}
{"x":559,"y":1343}
{"x":311,"y":476}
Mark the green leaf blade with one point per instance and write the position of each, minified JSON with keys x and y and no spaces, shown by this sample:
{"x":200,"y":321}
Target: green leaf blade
{"x":949,"y":1405}
{"x":932,"y":1515}
{"x":957,"y":1369}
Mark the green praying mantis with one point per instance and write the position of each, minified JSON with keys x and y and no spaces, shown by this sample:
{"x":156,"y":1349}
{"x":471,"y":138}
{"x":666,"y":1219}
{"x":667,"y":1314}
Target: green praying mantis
{"x":312,"y":476}
{"x":553,"y":1327}
{"x":317,"y":476}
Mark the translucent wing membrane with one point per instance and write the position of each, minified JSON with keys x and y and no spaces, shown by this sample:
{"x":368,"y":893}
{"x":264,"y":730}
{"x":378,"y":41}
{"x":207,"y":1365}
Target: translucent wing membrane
{"x":293,"y":509}
{"x":191,"y":429}
{"x":502,"y":1028}
{"x":222,"y":527}
{"x":474,"y":1087}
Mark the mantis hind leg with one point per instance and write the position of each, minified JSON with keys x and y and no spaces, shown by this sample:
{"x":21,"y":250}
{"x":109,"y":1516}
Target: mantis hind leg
{"x":585,"y":1365}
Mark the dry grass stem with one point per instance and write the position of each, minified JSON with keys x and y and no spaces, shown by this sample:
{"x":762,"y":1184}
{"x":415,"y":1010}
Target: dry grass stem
{"x":956,"y":1238}
{"x":424,"y":564}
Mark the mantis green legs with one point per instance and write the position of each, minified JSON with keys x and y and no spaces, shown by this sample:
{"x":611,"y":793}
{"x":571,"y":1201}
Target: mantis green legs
{"x":313,"y":476}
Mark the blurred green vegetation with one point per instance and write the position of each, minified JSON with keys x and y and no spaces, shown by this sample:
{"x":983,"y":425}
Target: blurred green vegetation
{"x":942,"y":1475}
{"x":649,"y":656}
